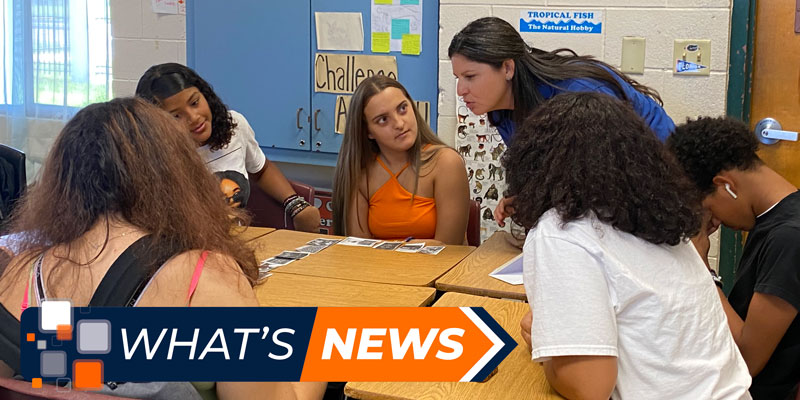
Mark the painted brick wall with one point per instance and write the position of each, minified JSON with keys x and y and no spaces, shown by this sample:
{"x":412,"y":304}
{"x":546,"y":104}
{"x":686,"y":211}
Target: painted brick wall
{"x":141,"y":38}
{"x":660,"y":22}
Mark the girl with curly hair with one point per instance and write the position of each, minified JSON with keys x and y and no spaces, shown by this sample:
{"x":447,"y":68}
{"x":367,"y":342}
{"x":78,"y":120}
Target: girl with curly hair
{"x":499,"y":74}
{"x":622,"y":304}
{"x":224,"y":137}
{"x":394,"y":178}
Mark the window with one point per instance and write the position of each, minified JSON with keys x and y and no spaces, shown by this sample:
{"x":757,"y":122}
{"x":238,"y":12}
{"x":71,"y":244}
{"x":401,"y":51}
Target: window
{"x":55,"y":53}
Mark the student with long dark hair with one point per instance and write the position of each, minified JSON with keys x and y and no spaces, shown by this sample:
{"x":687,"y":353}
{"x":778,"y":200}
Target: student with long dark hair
{"x":502,"y":76}
{"x":740,"y":191}
{"x":224,"y":138}
{"x":121,"y":191}
{"x":394,"y":178}
{"x":622,"y":305}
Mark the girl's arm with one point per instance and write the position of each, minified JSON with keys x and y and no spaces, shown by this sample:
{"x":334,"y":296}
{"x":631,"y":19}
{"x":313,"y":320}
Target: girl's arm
{"x":582,"y":377}
{"x":272,"y":182}
{"x":358,"y":211}
{"x":451,"y":193}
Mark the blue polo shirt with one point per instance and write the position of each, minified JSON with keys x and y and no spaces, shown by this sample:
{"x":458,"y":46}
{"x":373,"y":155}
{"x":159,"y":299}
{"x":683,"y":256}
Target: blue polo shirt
{"x":647,"y":108}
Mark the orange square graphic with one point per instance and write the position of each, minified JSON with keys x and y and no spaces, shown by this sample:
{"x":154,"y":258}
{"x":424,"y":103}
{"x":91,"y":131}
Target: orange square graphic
{"x":36,"y":383}
{"x":87,"y":374}
{"x":31,"y":337}
{"x":64,"y":332}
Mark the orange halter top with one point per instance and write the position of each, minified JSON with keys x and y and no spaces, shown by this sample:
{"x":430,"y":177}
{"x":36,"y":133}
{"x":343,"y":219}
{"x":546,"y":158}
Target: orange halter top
{"x":392,"y":215}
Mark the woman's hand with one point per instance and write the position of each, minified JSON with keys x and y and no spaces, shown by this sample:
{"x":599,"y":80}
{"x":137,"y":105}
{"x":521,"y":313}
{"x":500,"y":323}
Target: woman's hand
{"x":504,"y":209}
{"x":307,"y":220}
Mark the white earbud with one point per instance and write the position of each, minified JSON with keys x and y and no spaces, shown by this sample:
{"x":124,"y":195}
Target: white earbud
{"x":730,"y":192}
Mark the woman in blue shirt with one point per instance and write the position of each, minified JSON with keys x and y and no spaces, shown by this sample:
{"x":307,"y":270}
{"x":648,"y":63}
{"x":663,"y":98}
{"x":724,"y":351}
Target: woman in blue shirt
{"x":500,"y":75}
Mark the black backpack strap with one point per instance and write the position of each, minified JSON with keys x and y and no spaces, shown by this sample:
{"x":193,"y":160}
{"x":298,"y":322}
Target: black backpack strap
{"x":127,"y":278}
{"x":9,"y":339}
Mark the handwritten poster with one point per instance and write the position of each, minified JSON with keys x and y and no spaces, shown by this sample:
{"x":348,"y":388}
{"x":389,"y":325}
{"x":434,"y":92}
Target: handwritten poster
{"x":397,"y":26}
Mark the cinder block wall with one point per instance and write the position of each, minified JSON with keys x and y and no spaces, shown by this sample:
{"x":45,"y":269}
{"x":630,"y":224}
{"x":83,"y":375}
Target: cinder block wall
{"x":660,"y":22}
{"x":141,"y":38}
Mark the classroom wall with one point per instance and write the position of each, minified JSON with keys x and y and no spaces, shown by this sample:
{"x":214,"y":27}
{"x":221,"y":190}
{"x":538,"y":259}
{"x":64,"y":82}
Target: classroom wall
{"x":142,"y":38}
{"x":660,"y":22}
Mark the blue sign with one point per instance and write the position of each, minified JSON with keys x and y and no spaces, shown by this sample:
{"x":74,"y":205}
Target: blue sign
{"x":687,"y":66}
{"x":561,"y":21}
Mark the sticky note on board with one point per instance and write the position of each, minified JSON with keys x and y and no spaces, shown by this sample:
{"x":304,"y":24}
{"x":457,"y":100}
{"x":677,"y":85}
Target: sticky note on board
{"x":383,"y":2}
{"x":380,"y":42}
{"x":415,"y":2}
{"x":400,"y":27}
{"x":411,"y":44}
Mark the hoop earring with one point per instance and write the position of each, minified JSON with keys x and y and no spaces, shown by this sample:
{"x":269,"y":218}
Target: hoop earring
{"x":730,"y":192}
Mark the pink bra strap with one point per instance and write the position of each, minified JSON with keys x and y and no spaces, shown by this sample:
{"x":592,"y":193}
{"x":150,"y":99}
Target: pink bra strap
{"x":198,"y":270}
{"x":24,"y":305}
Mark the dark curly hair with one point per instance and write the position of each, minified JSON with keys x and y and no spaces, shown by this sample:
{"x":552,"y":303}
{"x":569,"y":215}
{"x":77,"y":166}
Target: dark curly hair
{"x":589,"y":153}
{"x":165,"y":80}
{"x":707,"y":146}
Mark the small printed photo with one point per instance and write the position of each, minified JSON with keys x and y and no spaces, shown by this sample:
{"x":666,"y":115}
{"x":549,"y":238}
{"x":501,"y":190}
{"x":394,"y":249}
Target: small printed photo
{"x":292,"y":255}
{"x":263,"y":273}
{"x":360,"y":242}
{"x":310,"y":248}
{"x":389,"y":245}
{"x":323,"y":242}
{"x":433,"y":250}
{"x":411,"y":247}
{"x":276,"y":262}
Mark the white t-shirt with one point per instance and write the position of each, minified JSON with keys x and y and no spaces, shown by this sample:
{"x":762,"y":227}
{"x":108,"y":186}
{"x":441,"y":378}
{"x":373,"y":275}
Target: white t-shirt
{"x":242,"y":153}
{"x":594,"y":290}
{"x":240,"y":156}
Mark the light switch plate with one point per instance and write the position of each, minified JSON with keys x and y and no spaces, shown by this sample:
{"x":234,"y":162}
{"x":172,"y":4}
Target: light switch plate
{"x":632,"y":55}
{"x":692,"y":57}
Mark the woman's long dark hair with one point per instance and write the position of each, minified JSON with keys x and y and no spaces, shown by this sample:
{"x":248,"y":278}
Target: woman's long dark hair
{"x":162,"y":81}
{"x":124,"y":158}
{"x":589,"y":153}
{"x":491,"y":40}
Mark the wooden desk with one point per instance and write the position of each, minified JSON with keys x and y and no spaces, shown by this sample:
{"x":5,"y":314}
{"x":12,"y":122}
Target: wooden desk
{"x":359,"y":263}
{"x":248,"y":233}
{"x":517,"y":376}
{"x":471,"y":275}
{"x":291,"y":290}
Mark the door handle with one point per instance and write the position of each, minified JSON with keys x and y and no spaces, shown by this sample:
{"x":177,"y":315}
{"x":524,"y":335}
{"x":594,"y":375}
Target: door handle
{"x":316,"y":120}
{"x":768,"y":131}
{"x":299,"y":110}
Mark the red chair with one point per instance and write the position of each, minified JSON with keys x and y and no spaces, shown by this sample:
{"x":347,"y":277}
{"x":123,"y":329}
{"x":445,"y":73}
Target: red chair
{"x":12,"y":389}
{"x":267,"y":212}
{"x":474,"y":224}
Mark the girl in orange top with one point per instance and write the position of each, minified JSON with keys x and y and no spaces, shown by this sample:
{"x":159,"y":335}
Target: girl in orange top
{"x":394,"y":178}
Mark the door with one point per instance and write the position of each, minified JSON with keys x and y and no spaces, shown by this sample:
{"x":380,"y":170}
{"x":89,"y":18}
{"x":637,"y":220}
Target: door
{"x":776,"y":82}
{"x":256,"y":57}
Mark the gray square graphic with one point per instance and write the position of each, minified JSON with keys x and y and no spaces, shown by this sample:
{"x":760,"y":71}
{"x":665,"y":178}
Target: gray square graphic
{"x":94,"y":336}
{"x":41,"y":345}
{"x":53,"y":363}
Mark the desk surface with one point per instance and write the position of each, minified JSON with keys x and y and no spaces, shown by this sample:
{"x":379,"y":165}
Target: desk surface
{"x":517,"y":376}
{"x":248,"y":233}
{"x":291,"y":290}
{"x":359,"y":263}
{"x":471,"y":275}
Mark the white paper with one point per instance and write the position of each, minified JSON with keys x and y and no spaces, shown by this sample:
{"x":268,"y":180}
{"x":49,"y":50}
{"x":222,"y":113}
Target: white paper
{"x":510,"y":272}
{"x":339,"y":31}
{"x":383,"y":14}
{"x":164,"y":6}
{"x":182,"y":7}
